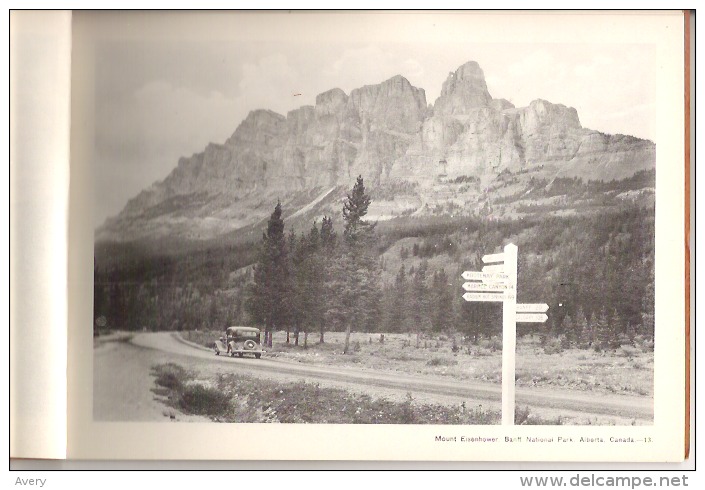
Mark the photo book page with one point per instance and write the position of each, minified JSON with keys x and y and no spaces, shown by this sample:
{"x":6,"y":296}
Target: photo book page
{"x":399,"y":236}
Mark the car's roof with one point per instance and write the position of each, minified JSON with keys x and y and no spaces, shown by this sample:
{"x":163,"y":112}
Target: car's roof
{"x":244,"y":329}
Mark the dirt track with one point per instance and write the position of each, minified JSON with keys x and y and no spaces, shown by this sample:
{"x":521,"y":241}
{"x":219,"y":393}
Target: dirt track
{"x":122,"y":382}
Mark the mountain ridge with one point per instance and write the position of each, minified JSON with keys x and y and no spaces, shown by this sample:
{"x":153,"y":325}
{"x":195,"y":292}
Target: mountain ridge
{"x":388,"y":133}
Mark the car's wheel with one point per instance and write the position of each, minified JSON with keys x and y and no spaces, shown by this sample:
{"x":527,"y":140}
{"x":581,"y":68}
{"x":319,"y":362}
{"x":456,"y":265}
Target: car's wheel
{"x":250,"y":344}
{"x":257,"y":356}
{"x":239,"y":354}
{"x":217,"y":353}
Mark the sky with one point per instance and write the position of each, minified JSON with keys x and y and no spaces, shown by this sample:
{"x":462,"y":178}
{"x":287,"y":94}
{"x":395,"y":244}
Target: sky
{"x":159,"y":97}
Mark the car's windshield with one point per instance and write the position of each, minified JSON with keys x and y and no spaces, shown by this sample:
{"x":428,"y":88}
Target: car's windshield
{"x":247,"y":335}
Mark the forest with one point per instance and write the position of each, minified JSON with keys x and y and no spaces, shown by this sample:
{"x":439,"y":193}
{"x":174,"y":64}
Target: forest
{"x":594,"y":270}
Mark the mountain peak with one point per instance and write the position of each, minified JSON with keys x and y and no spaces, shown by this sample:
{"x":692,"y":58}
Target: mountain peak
{"x":470,"y":70}
{"x":463,"y":90}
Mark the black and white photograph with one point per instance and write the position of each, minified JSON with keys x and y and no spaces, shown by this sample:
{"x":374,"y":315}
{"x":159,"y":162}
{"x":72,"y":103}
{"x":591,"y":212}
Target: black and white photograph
{"x":371,"y":229}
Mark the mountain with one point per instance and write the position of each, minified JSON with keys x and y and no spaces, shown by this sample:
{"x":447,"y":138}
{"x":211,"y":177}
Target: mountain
{"x":462,"y":155}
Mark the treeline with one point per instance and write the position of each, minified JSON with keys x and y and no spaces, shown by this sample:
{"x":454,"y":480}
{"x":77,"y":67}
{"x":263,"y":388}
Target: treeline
{"x":595,"y":272}
{"x":576,"y":186}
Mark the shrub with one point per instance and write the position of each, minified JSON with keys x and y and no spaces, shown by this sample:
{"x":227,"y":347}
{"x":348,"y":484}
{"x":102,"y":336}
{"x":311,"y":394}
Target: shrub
{"x":493,"y":343}
{"x":553,"y":346}
{"x":565,"y":342}
{"x":523,"y":416}
{"x":204,"y":400}
{"x":482,"y":352}
{"x":439,"y":361}
{"x":623,"y":339}
{"x":170,"y":375}
{"x":627,"y":351}
{"x":647,"y":345}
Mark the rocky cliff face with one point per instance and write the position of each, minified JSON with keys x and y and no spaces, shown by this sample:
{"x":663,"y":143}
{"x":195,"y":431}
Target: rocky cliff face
{"x":385,"y":132}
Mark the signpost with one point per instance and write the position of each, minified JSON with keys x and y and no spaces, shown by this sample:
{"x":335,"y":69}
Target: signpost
{"x":485,"y":276}
{"x":483,"y":297}
{"x":531,"y":317}
{"x":499,"y":283}
{"x":532,"y":307}
{"x":492,"y":258}
{"x":494,"y":268}
{"x":487,"y":286}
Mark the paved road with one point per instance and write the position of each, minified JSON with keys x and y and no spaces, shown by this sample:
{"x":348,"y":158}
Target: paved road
{"x":166,"y":346}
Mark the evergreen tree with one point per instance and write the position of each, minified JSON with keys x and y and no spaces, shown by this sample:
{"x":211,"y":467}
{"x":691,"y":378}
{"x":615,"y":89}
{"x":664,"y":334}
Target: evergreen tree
{"x":293,"y":311}
{"x":268,"y":302}
{"x":403,"y":253}
{"x":357,"y":230}
{"x":419,"y":301}
{"x":583,"y":328}
{"x":327,"y":250}
{"x":616,"y":329}
{"x":631,"y":332}
{"x":570,"y":331}
{"x":307,"y":284}
{"x":647,"y":312}
{"x":358,"y":267}
{"x":601,"y":328}
{"x":396,"y":320}
{"x":469,"y":320}
{"x":315,"y":296}
{"x":442,"y":303}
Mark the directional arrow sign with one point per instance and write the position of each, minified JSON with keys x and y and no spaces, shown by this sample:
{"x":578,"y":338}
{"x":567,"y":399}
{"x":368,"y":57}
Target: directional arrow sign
{"x":493,"y":268}
{"x":531,"y":317}
{"x":493,"y":258}
{"x":532,"y":307}
{"x":487,"y":296}
{"x":487,"y":286}
{"x":485,"y":276}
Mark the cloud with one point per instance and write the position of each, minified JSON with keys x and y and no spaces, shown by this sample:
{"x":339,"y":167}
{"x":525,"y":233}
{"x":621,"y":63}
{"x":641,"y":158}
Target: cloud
{"x":371,"y":65}
{"x":270,"y":84}
{"x":608,"y":85}
{"x":140,"y":137}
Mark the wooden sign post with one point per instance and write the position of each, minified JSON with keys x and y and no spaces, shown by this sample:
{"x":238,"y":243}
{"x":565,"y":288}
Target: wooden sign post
{"x":509,"y":338}
{"x":499,"y":283}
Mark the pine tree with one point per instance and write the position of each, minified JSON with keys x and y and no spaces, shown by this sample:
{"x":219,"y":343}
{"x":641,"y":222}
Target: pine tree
{"x":358,"y":266}
{"x":570,"y":331}
{"x":328,"y":236}
{"x":631,"y":332}
{"x":583,"y":329}
{"x":442,"y":303}
{"x":293,"y":310}
{"x":647,"y":312}
{"x":357,"y":230}
{"x":403,"y":253}
{"x":327,"y":251}
{"x":601,"y":328}
{"x":307,"y":283}
{"x":420,"y":301}
{"x":616,"y":329}
{"x":297,"y":255}
{"x":268,"y":300}
{"x":397,"y":314}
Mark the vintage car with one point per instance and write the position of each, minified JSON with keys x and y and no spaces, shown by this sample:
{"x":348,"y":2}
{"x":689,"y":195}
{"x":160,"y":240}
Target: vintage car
{"x":239,"y":341}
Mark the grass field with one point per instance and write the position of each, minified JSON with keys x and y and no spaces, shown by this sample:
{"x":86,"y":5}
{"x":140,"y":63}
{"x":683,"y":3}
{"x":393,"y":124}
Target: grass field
{"x":628,"y":370}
